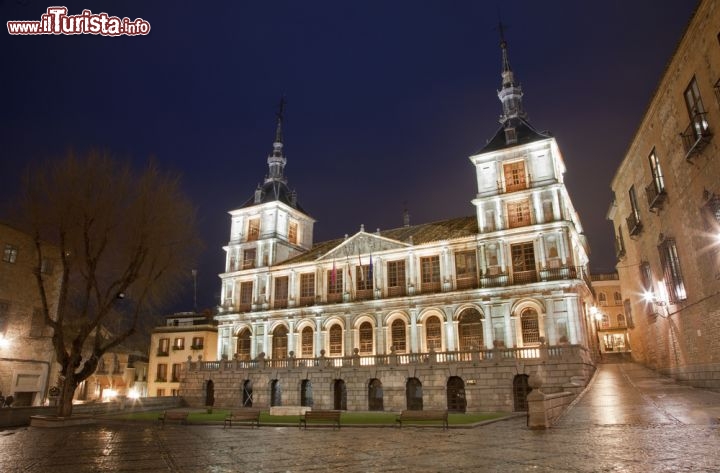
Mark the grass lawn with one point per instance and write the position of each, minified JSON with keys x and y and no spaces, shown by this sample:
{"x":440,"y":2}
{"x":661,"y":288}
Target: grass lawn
{"x":347,"y":418}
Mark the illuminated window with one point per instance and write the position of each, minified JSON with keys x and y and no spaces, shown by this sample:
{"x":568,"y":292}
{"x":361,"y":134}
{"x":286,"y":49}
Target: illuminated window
{"x":161,"y":373}
{"x":280,"y":343}
{"x":306,"y":342}
{"x":175,"y":373}
{"x":366,"y":338}
{"x":470,"y":330}
{"x":243,"y":345}
{"x":396,"y":278}
{"x":620,"y":320}
{"x":336,"y":340}
{"x":179,"y":343}
{"x":281,"y":292}
{"x":334,"y":285}
{"x":253,"y":229}
{"x":602,"y":299}
{"x":10,"y":253}
{"x":530,"y":327}
{"x":249,"y":257}
{"x":164,"y":347}
{"x":515,"y":179}
{"x":466,"y":269}
{"x":656,"y":171}
{"x":605,"y":321}
{"x":433,"y":334}
{"x":307,"y":289}
{"x":519,"y":214}
{"x":617,"y":298}
{"x":671,"y":269}
{"x":430,"y":273}
{"x":246,"y":292}
{"x":197,"y":343}
{"x":398,"y":335}
{"x":523,"y":258}
{"x":293,"y":232}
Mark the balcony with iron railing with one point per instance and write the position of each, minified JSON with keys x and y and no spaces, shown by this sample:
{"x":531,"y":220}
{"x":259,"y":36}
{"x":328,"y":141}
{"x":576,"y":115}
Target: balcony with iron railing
{"x":655,"y":196}
{"x":634,"y":224}
{"x":696,"y":135}
{"x":619,"y":249}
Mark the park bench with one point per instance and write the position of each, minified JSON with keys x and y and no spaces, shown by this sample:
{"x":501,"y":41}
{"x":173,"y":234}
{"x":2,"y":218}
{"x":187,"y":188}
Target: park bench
{"x":320,"y":417}
{"x":173,"y":415}
{"x":434,"y":414}
{"x":245,"y":414}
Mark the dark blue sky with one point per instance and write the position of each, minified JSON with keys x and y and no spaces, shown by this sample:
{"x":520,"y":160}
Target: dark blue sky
{"x":386,"y":100}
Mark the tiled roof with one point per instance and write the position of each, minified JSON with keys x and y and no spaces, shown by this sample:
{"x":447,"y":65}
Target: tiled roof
{"x":420,"y":234}
{"x":525,"y":134}
{"x":274,"y":190}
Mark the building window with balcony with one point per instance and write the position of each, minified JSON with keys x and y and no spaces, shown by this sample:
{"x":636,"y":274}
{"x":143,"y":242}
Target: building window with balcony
{"x":602,"y":299}
{"x":397,"y":330}
{"x":470,"y":330}
{"x":633,"y":221}
{"x":466,"y":269}
{"x":489,"y":220}
{"x":293,"y":233}
{"x":164,"y":347}
{"x":366,"y":338}
{"x":243,"y":345}
{"x":605,"y":322}
{"x":523,"y":258}
{"x":430,"y":274}
{"x":197,"y":343}
{"x":161,"y":373}
{"x":697,"y":133}
{"x":336,"y":346}
{"x":617,"y":298}
{"x":334,"y":285}
{"x":621,"y":320}
{"x":363,"y":282}
{"x":246,"y":293}
{"x":655,"y":192}
{"x":175,"y":373}
{"x":253,"y":229}
{"x":619,"y":244}
{"x":530,"y":327}
{"x":433,"y":334}
{"x":281,"y":292}
{"x":280,"y":343}
{"x":249,"y":257}
{"x":515,"y":179}
{"x":307,"y":289}
{"x":306,"y":342}
{"x":179,"y":343}
{"x":671,"y":269}
{"x":519,"y":214}
{"x":10,"y":253}
{"x":396,"y":278}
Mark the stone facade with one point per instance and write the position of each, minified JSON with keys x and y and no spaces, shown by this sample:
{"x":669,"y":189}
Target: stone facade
{"x":610,"y":318}
{"x":666,"y":213}
{"x":27,"y":367}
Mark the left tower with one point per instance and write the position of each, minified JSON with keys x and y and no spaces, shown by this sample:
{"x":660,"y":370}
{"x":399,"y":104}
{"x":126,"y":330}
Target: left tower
{"x":269,"y":228}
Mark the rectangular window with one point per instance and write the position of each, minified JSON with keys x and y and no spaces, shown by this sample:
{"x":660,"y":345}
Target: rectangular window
{"x":306,"y":343}
{"x":246,"y":292}
{"x":489,"y":220}
{"x":293,"y":232}
{"x":281,"y":292}
{"x":334,"y":285}
{"x":430,"y":273}
{"x":164,"y":347}
{"x":175,"y":376}
{"x":249,"y":256}
{"x":656,"y":171}
{"x":519,"y":214}
{"x":695,"y":135}
{"x":179,"y":343}
{"x":523,"y":258}
{"x":161,"y":373}
{"x":197,"y":343}
{"x":4,"y":316}
{"x":515,"y":179}
{"x":671,"y":269}
{"x":548,"y":214}
{"x":253,"y":229}
{"x":10,"y":253}
{"x":466,"y":269}
{"x":38,"y":323}
{"x":693,"y":100}
{"x":633,"y":220}
{"x":396,"y":278}
{"x":307,"y":289}
{"x":363,"y":282}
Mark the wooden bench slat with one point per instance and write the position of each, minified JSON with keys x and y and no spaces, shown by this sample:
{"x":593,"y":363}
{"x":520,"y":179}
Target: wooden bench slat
{"x":173,"y":415}
{"x":433,"y":414}
{"x":243,"y":415}
{"x":320,"y":416}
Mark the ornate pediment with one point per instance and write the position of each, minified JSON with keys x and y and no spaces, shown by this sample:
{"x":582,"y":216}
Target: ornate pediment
{"x":362,"y":243}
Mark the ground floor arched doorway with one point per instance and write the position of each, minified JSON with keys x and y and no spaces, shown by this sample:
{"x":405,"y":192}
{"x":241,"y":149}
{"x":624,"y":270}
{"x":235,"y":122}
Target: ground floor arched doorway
{"x":520,"y":392}
{"x":456,"y":401}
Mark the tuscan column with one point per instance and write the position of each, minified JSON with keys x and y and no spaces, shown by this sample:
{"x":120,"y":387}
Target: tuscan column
{"x":414,"y":340}
{"x":556,"y":204}
{"x":291,"y":335}
{"x":450,"y":329}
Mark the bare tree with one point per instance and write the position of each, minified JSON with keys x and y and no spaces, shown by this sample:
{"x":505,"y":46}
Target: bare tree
{"x":124,"y":240}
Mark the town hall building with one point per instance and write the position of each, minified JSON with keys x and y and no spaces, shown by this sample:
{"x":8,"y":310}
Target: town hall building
{"x":450,"y":314}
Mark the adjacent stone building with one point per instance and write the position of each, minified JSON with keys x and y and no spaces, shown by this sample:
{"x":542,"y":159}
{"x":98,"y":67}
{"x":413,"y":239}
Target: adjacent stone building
{"x":666,"y":213}
{"x":450,"y":314}
{"x":612,"y":322}
{"x":27,"y":358}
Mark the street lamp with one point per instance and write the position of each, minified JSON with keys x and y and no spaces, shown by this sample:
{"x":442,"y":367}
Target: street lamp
{"x":652,"y":298}
{"x":4,"y":341}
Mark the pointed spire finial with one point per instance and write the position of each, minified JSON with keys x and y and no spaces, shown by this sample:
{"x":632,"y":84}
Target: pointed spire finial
{"x":511,"y":93}
{"x":276,"y":161}
{"x":279,"y":114}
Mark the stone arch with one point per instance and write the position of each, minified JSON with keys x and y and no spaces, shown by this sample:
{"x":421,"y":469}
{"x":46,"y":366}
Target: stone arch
{"x":375,"y":395}
{"x":436,"y":339}
{"x":364,"y":334}
{"x":462,"y":308}
{"x":414,"y":394}
{"x":470,"y":329}
{"x":526,"y":334}
{"x":279,"y":343}
{"x":243,"y":343}
{"x":397,"y":325}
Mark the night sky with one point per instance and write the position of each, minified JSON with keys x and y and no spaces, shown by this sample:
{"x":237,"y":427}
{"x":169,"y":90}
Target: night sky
{"x":386,"y":101}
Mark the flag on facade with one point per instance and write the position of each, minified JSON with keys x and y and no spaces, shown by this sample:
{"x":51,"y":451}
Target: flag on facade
{"x":360,"y":266}
{"x":333,"y":275}
{"x":370,"y":269}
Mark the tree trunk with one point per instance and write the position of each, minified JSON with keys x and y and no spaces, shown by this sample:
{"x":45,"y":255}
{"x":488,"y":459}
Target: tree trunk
{"x":67,"y":392}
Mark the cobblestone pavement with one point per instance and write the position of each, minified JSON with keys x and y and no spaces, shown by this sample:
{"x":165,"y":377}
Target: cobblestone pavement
{"x":628,"y":420}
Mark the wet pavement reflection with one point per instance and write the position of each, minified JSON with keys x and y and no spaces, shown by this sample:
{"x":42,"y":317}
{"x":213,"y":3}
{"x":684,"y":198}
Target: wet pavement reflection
{"x":628,"y":420}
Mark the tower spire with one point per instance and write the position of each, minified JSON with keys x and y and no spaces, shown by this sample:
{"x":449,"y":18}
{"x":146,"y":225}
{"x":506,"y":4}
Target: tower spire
{"x":276,"y":161}
{"x":511,"y":93}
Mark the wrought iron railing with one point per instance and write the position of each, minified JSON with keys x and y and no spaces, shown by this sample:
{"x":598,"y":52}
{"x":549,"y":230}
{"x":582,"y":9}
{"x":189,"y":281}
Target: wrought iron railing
{"x":655,"y":197}
{"x":634,"y":224}
{"x":696,"y":135}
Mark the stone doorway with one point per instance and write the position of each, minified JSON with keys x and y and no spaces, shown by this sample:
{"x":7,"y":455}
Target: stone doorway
{"x":247,"y":393}
{"x":520,"y":392}
{"x":375,"y":395}
{"x":456,"y":401}
{"x":414,"y":394}
{"x":339,"y":395}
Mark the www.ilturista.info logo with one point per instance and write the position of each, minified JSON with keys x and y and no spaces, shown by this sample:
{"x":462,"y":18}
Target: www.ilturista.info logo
{"x":57,"y":21}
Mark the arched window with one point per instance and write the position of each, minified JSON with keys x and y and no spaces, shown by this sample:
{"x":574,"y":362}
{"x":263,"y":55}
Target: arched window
{"x":433,"y":333}
{"x":306,"y":342}
{"x":620,"y":320}
{"x":530,"y":326}
{"x":605,"y":321}
{"x":398,"y":336}
{"x":280,"y":342}
{"x":617,"y":298}
{"x":243,"y":345}
{"x":602,"y":299}
{"x":470,"y":330}
{"x":366,"y":338}
{"x":336,"y":340}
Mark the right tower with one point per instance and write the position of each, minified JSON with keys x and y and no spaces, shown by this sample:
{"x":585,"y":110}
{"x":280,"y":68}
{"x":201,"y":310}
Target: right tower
{"x":526,"y":221}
